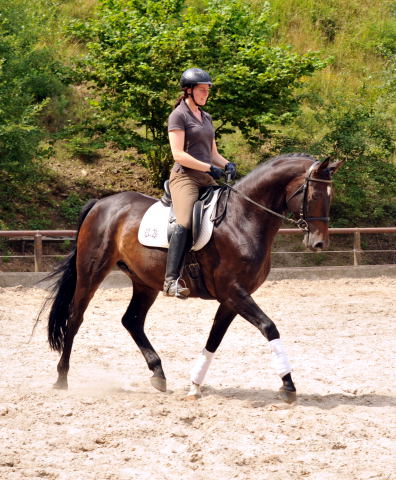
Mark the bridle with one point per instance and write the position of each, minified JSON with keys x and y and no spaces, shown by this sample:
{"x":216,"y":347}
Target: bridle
{"x":302,"y":222}
{"x":304,"y":219}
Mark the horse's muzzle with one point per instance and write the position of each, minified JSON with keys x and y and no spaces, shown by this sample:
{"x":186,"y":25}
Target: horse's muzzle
{"x":316,"y":241}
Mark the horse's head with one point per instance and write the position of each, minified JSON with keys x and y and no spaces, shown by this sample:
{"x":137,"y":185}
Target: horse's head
{"x":308,"y":197}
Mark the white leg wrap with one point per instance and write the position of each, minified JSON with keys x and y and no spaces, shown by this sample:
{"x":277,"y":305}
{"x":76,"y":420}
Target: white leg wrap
{"x":201,"y":367}
{"x":280,"y":361}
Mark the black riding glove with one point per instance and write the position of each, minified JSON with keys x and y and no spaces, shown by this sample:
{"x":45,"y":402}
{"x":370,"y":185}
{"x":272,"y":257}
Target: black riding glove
{"x":216,"y":172}
{"x":230,"y":169}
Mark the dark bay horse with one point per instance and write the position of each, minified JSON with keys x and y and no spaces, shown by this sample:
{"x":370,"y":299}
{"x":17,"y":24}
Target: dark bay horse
{"x":234,"y":263}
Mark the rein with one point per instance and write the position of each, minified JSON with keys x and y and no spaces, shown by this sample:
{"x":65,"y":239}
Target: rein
{"x":302,"y":222}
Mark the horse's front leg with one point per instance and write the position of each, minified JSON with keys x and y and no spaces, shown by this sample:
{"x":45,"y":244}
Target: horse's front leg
{"x":224,"y":317}
{"x":133,"y":320}
{"x":244,"y":305}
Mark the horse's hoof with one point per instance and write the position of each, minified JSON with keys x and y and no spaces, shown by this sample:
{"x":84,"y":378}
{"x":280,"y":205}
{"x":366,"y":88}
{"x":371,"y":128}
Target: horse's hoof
{"x":159,"y":383}
{"x":287,"y":396}
{"x":194,"y":392}
{"x":60,"y":385}
{"x":192,"y":397}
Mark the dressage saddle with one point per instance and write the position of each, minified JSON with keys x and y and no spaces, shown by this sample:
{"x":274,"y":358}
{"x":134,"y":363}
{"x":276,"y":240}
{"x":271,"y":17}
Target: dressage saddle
{"x":204,"y":199}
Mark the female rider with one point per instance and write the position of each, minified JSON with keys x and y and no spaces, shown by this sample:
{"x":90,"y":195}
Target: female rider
{"x":197,"y":164}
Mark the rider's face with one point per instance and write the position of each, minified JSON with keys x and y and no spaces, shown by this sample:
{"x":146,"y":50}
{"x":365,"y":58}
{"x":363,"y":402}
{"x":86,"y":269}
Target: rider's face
{"x":201,"y":93}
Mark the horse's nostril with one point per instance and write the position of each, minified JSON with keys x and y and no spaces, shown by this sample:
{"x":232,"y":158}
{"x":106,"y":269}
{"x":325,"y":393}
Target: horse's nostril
{"x":318,"y":246}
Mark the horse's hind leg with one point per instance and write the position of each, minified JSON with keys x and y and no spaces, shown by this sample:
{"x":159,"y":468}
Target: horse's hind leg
{"x":82,"y":296}
{"x":224,"y":317}
{"x":133,"y":320}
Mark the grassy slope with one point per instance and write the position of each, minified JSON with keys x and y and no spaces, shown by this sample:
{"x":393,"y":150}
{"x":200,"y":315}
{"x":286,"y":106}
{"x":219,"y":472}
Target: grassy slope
{"x":353,"y":33}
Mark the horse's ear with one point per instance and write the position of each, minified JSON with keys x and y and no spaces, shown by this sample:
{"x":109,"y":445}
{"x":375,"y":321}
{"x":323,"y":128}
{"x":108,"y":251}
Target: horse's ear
{"x":323,"y":165}
{"x":333,"y":167}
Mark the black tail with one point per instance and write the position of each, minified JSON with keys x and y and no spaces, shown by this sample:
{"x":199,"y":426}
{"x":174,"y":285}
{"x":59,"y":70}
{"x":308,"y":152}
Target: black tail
{"x":63,"y":291}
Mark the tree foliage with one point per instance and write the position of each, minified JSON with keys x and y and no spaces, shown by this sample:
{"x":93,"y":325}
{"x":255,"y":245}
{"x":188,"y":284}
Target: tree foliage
{"x":29,"y":77}
{"x":139,"y":48}
{"x":366,"y":185}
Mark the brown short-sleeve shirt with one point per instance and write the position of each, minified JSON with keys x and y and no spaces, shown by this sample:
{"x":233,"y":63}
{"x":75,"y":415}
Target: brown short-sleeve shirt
{"x":199,"y":136}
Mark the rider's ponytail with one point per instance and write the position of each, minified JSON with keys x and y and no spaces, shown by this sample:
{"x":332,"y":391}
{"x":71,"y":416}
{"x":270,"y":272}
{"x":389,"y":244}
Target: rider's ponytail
{"x":182,"y":97}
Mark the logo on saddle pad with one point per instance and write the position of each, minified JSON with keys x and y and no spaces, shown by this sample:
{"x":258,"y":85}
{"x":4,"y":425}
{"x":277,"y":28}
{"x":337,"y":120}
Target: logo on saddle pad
{"x":156,"y":225}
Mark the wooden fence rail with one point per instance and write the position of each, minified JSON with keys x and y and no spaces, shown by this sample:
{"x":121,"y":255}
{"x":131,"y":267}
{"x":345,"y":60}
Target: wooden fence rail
{"x":50,"y":235}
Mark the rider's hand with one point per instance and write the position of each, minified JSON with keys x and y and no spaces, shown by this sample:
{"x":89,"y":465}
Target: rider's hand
{"x":216,"y":172}
{"x":230,"y":169}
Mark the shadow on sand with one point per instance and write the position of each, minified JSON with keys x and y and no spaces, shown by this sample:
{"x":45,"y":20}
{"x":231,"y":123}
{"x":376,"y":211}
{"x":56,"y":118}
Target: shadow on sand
{"x":261,"y":398}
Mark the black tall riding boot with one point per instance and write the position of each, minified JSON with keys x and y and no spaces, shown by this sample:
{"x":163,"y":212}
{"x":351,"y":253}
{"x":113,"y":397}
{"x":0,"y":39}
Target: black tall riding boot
{"x":176,"y":252}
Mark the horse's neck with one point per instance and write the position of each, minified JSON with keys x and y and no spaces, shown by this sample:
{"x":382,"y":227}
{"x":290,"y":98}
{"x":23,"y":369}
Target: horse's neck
{"x":267,"y":187}
{"x":269,"y":190}
{"x":256,"y":223}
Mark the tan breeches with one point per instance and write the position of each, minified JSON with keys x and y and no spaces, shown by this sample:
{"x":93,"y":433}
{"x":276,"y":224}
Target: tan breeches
{"x":184,"y":188}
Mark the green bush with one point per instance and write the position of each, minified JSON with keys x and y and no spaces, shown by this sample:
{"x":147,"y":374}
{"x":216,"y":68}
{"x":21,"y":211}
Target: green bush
{"x":359,"y":131}
{"x":70,"y":208}
{"x":84,"y":147}
{"x":138,"y":50}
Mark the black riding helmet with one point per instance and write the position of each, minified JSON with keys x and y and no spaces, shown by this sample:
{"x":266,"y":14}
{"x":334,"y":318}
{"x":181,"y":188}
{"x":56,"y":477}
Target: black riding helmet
{"x":193,"y":77}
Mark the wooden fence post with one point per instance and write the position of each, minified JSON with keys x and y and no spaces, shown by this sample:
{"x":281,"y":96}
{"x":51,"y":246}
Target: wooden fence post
{"x":357,"y":249}
{"x":38,"y":252}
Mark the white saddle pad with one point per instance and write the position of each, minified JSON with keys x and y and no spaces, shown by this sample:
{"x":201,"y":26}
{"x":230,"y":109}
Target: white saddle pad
{"x":153,"y":230}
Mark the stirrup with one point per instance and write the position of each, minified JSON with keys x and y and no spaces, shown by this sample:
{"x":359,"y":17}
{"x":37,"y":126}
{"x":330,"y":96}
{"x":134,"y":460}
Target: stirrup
{"x":176,"y":288}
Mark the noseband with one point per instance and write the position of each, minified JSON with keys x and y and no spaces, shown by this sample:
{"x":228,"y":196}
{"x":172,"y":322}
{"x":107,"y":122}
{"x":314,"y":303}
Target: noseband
{"x":302,"y":222}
